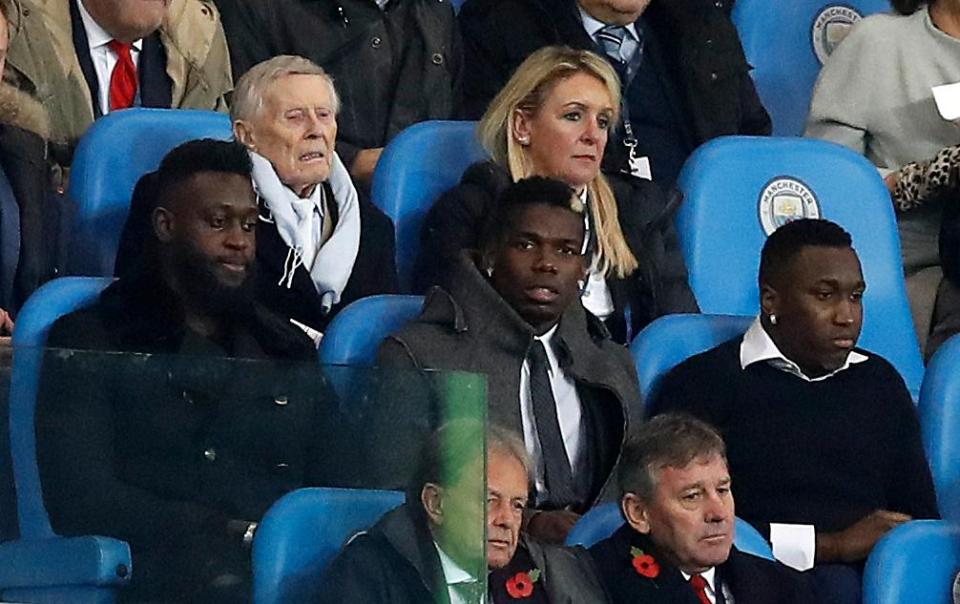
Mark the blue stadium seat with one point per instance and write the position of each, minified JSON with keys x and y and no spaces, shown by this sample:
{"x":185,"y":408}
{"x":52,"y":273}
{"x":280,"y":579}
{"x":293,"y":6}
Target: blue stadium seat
{"x":782,"y":41}
{"x":302,"y":532}
{"x":670,"y":340}
{"x":732,"y":186}
{"x":354,"y":335}
{"x":940,"y":422}
{"x":420,"y":164}
{"x":9,"y":240}
{"x":601,"y":522}
{"x":914,"y":563}
{"x":113,"y":154}
{"x":41,"y":567}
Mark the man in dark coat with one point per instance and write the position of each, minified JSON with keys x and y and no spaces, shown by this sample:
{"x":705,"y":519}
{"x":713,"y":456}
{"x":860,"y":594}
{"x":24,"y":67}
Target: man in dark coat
{"x":684,"y":72}
{"x":180,"y":450}
{"x":430,"y":548}
{"x":677,"y":543}
{"x":552,"y":372}
{"x":395,"y":63}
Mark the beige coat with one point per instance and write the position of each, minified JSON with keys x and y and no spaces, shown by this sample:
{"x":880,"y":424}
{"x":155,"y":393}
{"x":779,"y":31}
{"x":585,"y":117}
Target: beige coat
{"x":41,"y":60}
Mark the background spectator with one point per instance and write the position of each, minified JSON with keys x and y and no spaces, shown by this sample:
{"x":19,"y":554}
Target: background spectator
{"x":684,"y":74}
{"x":874,"y":95}
{"x":394,"y":63}
{"x":84,"y":58}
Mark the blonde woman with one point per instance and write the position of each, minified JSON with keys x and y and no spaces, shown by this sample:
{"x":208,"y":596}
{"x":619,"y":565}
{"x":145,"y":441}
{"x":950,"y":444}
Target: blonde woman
{"x":552,"y":118}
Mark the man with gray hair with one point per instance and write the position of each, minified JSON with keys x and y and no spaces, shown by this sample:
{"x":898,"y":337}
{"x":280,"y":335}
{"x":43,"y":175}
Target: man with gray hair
{"x":428,"y":549}
{"x":320,"y":245}
{"x":677,"y":543}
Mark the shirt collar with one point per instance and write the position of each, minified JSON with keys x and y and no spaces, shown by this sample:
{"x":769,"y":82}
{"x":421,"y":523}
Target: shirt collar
{"x":96,"y":35}
{"x":453,"y":573}
{"x":593,"y":25}
{"x":757,"y":346}
{"x":709,"y":575}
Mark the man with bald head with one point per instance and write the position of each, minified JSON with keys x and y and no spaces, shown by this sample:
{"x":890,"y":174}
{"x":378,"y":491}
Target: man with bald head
{"x":86,"y":58}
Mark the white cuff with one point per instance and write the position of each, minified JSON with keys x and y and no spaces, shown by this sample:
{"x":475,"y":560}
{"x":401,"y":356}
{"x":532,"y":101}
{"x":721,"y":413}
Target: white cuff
{"x":794,"y":544}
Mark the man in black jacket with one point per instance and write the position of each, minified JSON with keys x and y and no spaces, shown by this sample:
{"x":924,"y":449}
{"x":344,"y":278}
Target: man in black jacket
{"x":395,"y":63}
{"x":431,"y":549}
{"x":677,"y":543}
{"x":180,"y":449}
{"x":684,"y":73}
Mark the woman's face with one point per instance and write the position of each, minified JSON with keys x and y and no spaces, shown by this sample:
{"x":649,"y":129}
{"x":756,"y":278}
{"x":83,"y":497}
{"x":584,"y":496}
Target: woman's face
{"x":565,"y":138}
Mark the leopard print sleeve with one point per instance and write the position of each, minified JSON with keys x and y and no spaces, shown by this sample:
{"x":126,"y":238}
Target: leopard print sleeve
{"x":918,"y":182}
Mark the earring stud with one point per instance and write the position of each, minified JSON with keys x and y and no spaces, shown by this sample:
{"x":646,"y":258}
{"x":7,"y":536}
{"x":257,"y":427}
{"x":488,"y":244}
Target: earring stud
{"x":773,"y":319}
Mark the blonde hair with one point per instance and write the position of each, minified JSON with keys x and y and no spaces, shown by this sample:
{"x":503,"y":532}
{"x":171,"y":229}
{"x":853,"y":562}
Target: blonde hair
{"x":248,"y":94}
{"x":526,"y":91}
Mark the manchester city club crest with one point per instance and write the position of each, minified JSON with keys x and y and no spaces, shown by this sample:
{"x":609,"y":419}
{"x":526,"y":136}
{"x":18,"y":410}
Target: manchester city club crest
{"x":785,"y":199}
{"x":830,"y":27}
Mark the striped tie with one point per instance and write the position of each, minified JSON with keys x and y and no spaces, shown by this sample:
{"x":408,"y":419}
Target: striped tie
{"x":610,"y":38}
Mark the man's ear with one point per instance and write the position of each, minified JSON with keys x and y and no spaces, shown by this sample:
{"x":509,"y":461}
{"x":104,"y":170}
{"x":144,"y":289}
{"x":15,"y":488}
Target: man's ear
{"x":244,"y":134}
{"x":431,"y":497}
{"x":636,"y":512}
{"x":769,"y":299}
{"x":162,"y":220}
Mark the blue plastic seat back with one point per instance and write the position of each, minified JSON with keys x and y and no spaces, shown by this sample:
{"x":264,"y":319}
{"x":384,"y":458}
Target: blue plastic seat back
{"x":670,"y":340}
{"x":53,"y":300}
{"x":355,"y":334}
{"x":9,"y":240}
{"x":782,"y":41}
{"x":733,"y":185}
{"x":112,"y":155}
{"x":603,"y":520}
{"x":302,"y":532}
{"x":914,"y":563}
{"x":940,"y":422}
{"x":420,"y":164}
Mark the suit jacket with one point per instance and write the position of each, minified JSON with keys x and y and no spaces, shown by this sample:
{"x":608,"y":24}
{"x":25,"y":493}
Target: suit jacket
{"x":42,"y":61}
{"x":395,"y":562}
{"x":751,"y":580}
{"x":699,"y":62}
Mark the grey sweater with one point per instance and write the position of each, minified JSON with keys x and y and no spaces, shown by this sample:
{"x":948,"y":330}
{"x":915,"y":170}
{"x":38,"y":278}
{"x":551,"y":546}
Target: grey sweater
{"x":874,"y":96}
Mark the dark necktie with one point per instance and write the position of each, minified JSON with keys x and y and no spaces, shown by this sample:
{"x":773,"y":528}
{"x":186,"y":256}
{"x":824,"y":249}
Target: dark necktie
{"x":699,"y":585}
{"x":123,"y":80}
{"x":610,"y":38}
{"x":559,"y":477}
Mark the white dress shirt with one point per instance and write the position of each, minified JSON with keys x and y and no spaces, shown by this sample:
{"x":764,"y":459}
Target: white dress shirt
{"x":793,"y":544}
{"x":569,"y":413}
{"x":103,"y":58}
{"x":710,"y":576}
{"x":630,"y":42}
{"x":454,"y":575}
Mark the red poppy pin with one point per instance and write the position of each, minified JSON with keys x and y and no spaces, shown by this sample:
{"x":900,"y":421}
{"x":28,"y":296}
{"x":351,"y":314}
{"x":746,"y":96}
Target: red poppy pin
{"x":520,"y":585}
{"x":644,"y":564}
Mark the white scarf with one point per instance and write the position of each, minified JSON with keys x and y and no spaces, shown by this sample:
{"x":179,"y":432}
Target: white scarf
{"x":333,"y":262}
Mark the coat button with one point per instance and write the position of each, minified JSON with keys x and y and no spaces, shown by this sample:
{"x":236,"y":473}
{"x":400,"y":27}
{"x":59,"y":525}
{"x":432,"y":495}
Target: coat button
{"x":713,"y":76}
{"x":437,"y":58}
{"x":210,"y":454}
{"x":376,"y":42}
{"x":718,"y":3}
{"x":186,"y":397}
{"x":281,"y":401}
{"x":281,"y":467}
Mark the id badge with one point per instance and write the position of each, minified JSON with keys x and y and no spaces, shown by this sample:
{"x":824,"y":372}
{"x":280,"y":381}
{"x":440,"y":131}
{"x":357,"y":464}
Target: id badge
{"x":640,"y":166}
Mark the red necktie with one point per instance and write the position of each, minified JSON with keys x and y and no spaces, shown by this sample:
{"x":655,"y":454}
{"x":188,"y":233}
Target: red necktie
{"x":699,"y":585}
{"x":123,"y":80}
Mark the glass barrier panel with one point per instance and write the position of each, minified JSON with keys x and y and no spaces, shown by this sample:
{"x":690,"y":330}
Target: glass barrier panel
{"x":179,"y":455}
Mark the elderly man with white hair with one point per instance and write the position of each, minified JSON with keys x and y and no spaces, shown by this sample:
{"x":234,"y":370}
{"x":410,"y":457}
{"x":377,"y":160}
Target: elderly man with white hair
{"x":319,"y":244}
